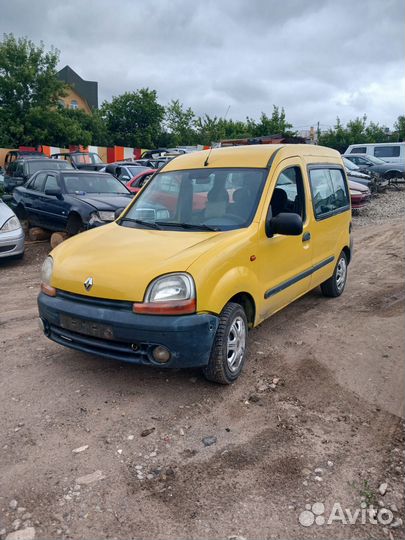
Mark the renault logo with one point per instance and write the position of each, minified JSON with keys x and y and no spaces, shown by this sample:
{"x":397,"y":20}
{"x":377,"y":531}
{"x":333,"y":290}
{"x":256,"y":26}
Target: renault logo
{"x":88,"y":284}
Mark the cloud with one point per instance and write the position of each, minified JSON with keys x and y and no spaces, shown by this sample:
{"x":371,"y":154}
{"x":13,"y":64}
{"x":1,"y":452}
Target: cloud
{"x":319,"y":59}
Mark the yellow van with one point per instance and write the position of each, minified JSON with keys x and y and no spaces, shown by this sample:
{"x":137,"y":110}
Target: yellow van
{"x":214,"y":244}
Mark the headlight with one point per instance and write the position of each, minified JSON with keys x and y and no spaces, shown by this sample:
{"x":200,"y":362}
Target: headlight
{"x":171,"y":287}
{"x":46,"y":271}
{"x":106,"y":216}
{"x":101,"y":217}
{"x":11,"y":224}
{"x":355,"y":192}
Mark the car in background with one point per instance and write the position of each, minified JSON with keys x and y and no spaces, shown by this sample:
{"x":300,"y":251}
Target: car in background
{"x":12,"y":155}
{"x":89,"y":161}
{"x":371,"y":181}
{"x":20,"y":170}
{"x":138,"y":181}
{"x":391,"y":152}
{"x":371,"y":164}
{"x":359,"y":195}
{"x":11,"y":233}
{"x":124,"y":170}
{"x":1,"y":178}
{"x":154,"y":163}
{"x":70,"y":201}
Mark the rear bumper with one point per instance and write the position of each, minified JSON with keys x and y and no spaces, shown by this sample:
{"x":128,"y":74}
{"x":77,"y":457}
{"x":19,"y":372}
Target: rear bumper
{"x":12,"y":243}
{"x":189,"y":338}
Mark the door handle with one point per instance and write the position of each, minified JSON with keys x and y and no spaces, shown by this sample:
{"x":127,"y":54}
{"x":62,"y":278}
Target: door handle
{"x":306,"y":236}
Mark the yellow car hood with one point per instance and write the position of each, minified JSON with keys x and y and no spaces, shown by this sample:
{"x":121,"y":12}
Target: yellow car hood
{"x":123,"y":261}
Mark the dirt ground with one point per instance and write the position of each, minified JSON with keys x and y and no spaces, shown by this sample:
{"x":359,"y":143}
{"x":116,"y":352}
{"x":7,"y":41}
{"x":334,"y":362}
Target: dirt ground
{"x":329,"y":430}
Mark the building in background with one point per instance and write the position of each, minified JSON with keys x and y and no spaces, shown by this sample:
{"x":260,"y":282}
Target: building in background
{"x":81,"y":94}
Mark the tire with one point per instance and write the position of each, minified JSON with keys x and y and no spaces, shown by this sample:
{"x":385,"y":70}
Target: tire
{"x":227,"y":360}
{"x":335,"y":285}
{"x":74,"y":225}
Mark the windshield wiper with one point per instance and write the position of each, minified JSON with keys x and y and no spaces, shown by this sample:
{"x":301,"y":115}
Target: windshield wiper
{"x":201,"y":227}
{"x":150,"y":224}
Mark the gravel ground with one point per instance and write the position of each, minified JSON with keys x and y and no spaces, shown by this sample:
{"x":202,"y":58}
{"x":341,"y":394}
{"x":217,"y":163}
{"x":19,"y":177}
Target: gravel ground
{"x":91,"y":448}
{"x":388,"y":205}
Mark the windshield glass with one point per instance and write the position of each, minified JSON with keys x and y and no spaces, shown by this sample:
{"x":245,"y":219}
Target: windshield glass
{"x":86,"y":158}
{"x":350,"y":165}
{"x":93,"y":183}
{"x":200,"y":199}
{"x":376,"y":160}
{"x":135,"y":170}
{"x":54,"y":165}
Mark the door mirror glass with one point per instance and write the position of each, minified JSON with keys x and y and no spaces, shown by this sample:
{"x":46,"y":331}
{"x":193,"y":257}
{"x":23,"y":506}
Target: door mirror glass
{"x":286,"y":224}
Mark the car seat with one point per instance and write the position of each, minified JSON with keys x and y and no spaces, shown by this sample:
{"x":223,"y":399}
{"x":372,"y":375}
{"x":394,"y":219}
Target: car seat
{"x":278,"y":201}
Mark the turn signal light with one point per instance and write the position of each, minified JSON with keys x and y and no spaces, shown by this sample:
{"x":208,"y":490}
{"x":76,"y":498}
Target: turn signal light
{"x":179,"y":307}
{"x":47,"y":289}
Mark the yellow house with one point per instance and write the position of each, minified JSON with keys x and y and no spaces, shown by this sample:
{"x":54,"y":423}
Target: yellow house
{"x":81,"y":94}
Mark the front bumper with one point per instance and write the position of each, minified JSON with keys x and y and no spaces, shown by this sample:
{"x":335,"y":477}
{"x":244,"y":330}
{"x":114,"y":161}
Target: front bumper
{"x":12,"y":243}
{"x":189,"y":338}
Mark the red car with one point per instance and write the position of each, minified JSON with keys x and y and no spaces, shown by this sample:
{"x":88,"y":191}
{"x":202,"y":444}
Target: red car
{"x":359,"y":194}
{"x":135,"y":184}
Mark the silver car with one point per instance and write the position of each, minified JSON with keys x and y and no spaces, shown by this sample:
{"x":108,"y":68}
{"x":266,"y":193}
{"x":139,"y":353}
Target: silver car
{"x":11,"y":233}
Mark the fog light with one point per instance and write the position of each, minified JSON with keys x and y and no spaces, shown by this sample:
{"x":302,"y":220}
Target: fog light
{"x":161,"y":354}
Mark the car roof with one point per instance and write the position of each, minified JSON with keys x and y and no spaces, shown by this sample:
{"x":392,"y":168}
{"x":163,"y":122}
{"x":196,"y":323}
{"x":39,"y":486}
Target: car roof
{"x":250,"y":156}
{"x":83,"y":171}
{"x":34,"y":158}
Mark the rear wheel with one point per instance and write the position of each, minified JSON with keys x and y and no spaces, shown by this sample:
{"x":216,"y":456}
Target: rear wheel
{"x":335,"y":285}
{"x":74,"y":225}
{"x":229,"y":349}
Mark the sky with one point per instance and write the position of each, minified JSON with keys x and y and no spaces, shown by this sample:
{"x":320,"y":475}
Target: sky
{"x":318,"y":59}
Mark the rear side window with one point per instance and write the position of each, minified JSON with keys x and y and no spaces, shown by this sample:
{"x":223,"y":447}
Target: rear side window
{"x":329,"y":192}
{"x":386,"y":151}
{"x":359,"y":150}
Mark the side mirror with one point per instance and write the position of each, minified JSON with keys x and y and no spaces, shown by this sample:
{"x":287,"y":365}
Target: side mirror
{"x":57,"y":192}
{"x":118,"y":212}
{"x":285,"y":223}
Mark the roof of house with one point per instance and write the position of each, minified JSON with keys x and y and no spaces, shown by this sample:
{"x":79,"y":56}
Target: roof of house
{"x":88,"y":90}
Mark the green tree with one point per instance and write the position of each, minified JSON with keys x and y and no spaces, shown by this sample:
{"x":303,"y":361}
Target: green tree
{"x":276,"y":124}
{"x":28,"y":86}
{"x":180,"y":124}
{"x":134,"y":119}
{"x":399,"y":127}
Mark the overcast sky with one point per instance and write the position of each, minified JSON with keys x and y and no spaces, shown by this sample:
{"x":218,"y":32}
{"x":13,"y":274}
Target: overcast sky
{"x":317,"y":58}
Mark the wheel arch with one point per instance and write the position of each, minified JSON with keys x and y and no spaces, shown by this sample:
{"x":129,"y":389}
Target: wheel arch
{"x":246,"y":300}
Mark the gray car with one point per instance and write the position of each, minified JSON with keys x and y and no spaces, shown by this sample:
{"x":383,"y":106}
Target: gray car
{"x":11,"y":233}
{"x":371,"y":164}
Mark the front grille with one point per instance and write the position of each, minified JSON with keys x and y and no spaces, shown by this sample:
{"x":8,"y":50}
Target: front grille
{"x":3,"y":249}
{"x":97,"y":346}
{"x":96,"y":302}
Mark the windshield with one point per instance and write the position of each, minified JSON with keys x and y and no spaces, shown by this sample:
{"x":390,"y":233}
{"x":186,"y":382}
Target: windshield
{"x":350,"y":165}
{"x":93,"y":183}
{"x":86,"y":158}
{"x":135,"y":170}
{"x":200,"y":199}
{"x":376,"y":160}
{"x":54,"y":165}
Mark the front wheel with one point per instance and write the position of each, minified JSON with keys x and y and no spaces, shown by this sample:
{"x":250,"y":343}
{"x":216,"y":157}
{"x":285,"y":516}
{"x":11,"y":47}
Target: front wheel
{"x":335,"y":285}
{"x":229,"y":349}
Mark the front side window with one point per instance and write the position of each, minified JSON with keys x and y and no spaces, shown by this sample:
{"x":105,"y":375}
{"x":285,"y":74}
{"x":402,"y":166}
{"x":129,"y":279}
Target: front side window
{"x":387,"y":151}
{"x":51,"y":182}
{"x":37,"y":182}
{"x":200,"y":199}
{"x":358,"y":150}
{"x":329,"y":191}
{"x":288,"y":195}
{"x":93,"y":183}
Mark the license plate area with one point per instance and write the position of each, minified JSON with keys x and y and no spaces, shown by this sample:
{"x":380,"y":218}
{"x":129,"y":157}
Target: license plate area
{"x":88,"y":328}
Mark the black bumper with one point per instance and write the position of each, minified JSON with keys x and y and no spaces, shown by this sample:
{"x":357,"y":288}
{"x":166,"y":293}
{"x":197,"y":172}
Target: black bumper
{"x":189,"y":338}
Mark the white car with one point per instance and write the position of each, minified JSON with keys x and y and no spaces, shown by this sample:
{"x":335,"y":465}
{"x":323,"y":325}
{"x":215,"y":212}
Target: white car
{"x":11,"y":233}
